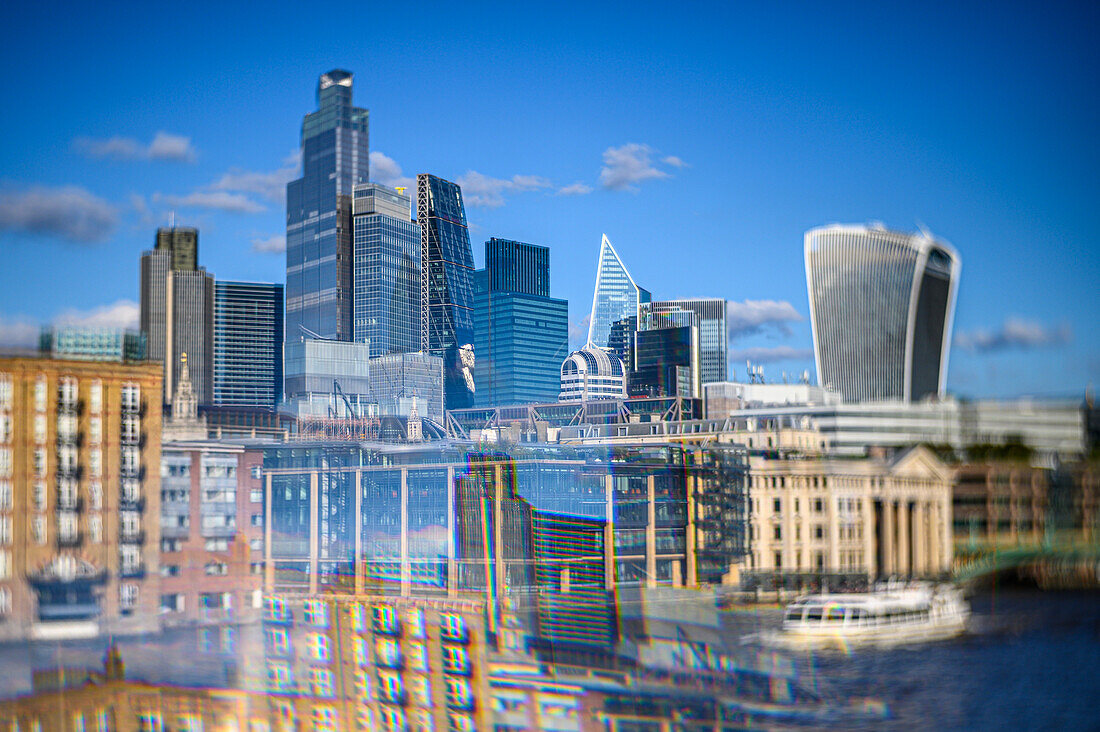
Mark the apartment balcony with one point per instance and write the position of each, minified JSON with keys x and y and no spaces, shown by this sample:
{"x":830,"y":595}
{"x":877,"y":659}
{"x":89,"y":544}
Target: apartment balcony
{"x":130,"y":408}
{"x":133,"y":440}
{"x":70,"y":540}
{"x":132,"y":537}
{"x":70,"y":406}
{"x":135,"y":472}
{"x":134,"y":571}
{"x":68,"y":503}
{"x":132,"y":504}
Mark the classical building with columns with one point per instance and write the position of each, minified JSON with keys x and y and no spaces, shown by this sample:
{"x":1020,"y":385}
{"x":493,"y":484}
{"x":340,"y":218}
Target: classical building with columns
{"x":872,"y":517}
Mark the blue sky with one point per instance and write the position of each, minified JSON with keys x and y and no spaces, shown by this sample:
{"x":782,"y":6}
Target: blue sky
{"x":703,"y":142}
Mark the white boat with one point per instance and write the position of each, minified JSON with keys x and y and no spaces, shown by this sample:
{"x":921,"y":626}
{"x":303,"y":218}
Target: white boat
{"x":890,"y":614}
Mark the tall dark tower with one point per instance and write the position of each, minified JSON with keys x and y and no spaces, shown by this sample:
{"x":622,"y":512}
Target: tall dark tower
{"x":335,"y":157}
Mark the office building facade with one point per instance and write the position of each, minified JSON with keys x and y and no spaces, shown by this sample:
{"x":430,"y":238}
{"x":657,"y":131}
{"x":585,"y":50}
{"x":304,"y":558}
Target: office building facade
{"x":615,"y":296}
{"x":92,"y":344}
{"x":248,"y":344}
{"x":592,"y":373}
{"x":709,"y":316}
{"x":446,"y":291}
{"x":881,"y":309}
{"x":386,"y":275}
{"x":665,"y":362}
{"x":335,"y":157}
{"x":521,"y":333}
{"x":79,"y":497}
{"x":177,"y":310}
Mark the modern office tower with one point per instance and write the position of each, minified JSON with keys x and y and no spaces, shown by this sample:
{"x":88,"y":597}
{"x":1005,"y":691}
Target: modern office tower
{"x":592,"y":373}
{"x":709,"y":317}
{"x":338,"y":379}
{"x":400,"y":380}
{"x":183,"y":243}
{"x":666,"y":362}
{"x":177,"y":311}
{"x":614,"y":298}
{"x":248,"y":344}
{"x":79,"y":497}
{"x":318,"y":214}
{"x":212,"y":532}
{"x":92,"y":344}
{"x":621,"y":339}
{"x":881,"y":307}
{"x":386,"y":311}
{"x":521,"y":334}
{"x":446,"y":290}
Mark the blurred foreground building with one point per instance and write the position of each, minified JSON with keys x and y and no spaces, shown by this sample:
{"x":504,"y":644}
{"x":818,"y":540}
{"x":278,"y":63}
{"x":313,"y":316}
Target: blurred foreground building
{"x":79,"y":497}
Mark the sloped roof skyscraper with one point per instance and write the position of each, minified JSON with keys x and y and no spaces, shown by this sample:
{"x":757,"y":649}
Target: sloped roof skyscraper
{"x":615,"y":297}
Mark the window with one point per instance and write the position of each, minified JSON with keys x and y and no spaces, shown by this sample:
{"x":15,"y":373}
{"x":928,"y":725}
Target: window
{"x":38,"y":529}
{"x":279,"y":677}
{"x":95,"y":529}
{"x":459,"y":693}
{"x":325,"y":719}
{"x":95,"y":397}
{"x":819,"y":505}
{"x":256,"y":495}
{"x":316,"y":613}
{"x":321,"y":683}
{"x":217,"y":545}
{"x":777,"y":506}
{"x":5,"y":391}
{"x":778,"y":530}
{"x":128,"y":596}
{"x":257,"y":519}
{"x":319,"y":647}
{"x":217,"y":569}
{"x":5,"y":495}
{"x":256,"y":472}
{"x":452,"y":627}
{"x":5,"y":601}
{"x":5,"y":530}
{"x":421,"y":690}
{"x":5,"y":427}
{"x":387,"y":652}
{"x":418,"y":657}
{"x":172,"y":603}
{"x":95,"y":492}
{"x":5,"y":564}
{"x":456,"y":660}
{"x":150,"y":722}
{"x":819,"y":531}
{"x":779,"y":560}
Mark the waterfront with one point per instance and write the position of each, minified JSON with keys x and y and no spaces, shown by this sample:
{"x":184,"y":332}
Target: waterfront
{"x":1030,"y":661}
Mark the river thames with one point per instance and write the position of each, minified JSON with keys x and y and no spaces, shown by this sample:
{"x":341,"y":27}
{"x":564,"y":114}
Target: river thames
{"x":1030,"y":661}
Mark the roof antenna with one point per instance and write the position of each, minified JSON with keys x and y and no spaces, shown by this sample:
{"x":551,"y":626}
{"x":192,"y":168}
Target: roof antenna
{"x":171,"y":219}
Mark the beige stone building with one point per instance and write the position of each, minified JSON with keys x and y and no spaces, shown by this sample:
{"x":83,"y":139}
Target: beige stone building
{"x":79,"y":497}
{"x":871,"y":516}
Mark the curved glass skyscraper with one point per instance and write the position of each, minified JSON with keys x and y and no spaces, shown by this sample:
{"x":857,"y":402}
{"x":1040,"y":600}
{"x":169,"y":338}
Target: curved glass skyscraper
{"x":881,"y":306}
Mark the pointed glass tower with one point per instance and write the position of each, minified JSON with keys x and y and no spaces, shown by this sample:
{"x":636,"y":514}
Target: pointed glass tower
{"x":616,"y":296}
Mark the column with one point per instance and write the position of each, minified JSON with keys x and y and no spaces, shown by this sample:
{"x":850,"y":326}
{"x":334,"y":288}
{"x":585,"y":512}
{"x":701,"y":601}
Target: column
{"x":903,"y":536}
{"x":935,"y":563}
{"x":405,"y":572}
{"x":452,"y":570}
{"x":314,"y":529}
{"x":867,"y":517}
{"x":920,"y":535}
{"x":609,"y":532}
{"x":651,"y":534}
{"x":689,"y":535}
{"x":269,"y":566}
{"x":888,"y":542}
{"x":357,"y":568}
{"x":498,"y":531}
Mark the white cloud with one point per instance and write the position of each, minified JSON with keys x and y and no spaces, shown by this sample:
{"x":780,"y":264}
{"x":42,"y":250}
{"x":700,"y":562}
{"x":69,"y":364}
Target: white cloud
{"x":22,"y":332}
{"x":141,"y":208}
{"x":765,"y":354}
{"x":18,"y":332}
{"x":483,"y":190}
{"x":386,"y":171}
{"x":119,"y":314}
{"x":1015,"y":332}
{"x":269,"y":184}
{"x":626,"y":166}
{"x":274,"y":244}
{"x":578,"y":332}
{"x":753,"y":316}
{"x":164,"y":146}
{"x":217,"y":200}
{"x":68,"y":212}
{"x":674,"y":161}
{"x":575,"y":189}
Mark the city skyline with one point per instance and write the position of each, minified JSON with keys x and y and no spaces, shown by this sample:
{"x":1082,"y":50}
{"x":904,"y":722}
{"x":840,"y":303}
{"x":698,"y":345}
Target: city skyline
{"x":669,"y":192}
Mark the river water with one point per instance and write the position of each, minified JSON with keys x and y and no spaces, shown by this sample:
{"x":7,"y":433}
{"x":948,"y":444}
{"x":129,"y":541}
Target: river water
{"x":1031,"y":661}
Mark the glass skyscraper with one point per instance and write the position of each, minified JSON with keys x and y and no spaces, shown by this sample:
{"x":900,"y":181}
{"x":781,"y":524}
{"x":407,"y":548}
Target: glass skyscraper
{"x":708,"y":315}
{"x":616,"y":296}
{"x":521,"y":333}
{"x":446,"y":291}
{"x":881,"y":307}
{"x":248,"y":344}
{"x":334,"y":149}
{"x":387,"y":271}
